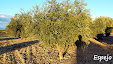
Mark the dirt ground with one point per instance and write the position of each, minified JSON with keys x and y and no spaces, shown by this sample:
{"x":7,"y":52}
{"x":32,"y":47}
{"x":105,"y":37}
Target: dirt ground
{"x":87,"y":56}
{"x":50,"y":56}
{"x":108,"y":40}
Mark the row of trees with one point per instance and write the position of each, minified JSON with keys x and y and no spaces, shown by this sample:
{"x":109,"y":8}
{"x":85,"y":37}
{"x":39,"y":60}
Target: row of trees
{"x":58,"y":24}
{"x":101,"y":25}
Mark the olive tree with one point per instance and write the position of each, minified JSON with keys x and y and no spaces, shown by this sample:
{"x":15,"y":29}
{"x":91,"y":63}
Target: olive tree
{"x":14,"y":27}
{"x":61,"y":24}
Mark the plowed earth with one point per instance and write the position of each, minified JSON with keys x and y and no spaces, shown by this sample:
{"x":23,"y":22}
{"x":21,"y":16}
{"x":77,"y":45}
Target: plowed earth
{"x":31,"y":51}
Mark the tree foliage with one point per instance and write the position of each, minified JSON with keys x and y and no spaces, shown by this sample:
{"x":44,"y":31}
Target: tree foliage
{"x":100,"y":24}
{"x":14,"y":28}
{"x":60,"y":27}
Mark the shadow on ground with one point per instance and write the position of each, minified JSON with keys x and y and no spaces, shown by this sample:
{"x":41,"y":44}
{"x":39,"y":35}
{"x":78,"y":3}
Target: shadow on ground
{"x":16,"y":46}
{"x":8,"y":39}
{"x":86,"y":56}
{"x":108,"y":40}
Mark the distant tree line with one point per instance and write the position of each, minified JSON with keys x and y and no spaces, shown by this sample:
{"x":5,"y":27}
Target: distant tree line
{"x":58,"y":24}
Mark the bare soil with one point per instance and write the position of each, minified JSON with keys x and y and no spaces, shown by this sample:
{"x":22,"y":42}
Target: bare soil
{"x":42,"y":55}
